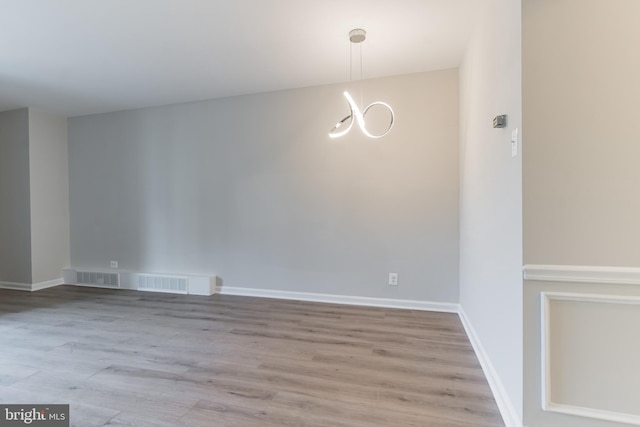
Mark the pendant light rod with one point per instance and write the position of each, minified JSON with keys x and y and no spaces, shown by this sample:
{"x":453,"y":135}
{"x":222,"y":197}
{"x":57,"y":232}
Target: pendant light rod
{"x":356,"y":36}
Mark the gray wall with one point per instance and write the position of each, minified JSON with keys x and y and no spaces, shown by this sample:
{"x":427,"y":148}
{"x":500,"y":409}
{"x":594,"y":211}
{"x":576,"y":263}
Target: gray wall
{"x":581,"y":174}
{"x":491,"y":198}
{"x":252,"y":189}
{"x":15,"y":239}
{"x":48,"y":158}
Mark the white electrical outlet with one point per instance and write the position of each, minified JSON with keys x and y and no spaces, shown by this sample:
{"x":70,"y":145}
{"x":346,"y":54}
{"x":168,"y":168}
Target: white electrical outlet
{"x":114,"y":264}
{"x":393,"y":279}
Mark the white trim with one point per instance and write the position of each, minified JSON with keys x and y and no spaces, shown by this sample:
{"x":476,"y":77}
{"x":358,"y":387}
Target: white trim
{"x":340,"y":299}
{"x":30,"y":288}
{"x":594,"y":413}
{"x":582,"y":274}
{"x":15,"y":286}
{"x":545,"y":353}
{"x":505,"y":405}
{"x":547,"y":403}
{"x":45,"y":285}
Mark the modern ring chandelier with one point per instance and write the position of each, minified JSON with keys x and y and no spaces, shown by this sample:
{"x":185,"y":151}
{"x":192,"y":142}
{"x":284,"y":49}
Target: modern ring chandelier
{"x":357,"y":36}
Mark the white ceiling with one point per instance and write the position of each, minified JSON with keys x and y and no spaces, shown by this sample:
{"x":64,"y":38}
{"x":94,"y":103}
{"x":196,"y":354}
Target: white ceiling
{"x":76,"y":57}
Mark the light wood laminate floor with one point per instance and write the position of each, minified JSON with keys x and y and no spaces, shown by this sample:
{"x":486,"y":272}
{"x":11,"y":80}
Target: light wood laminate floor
{"x":127,"y":358}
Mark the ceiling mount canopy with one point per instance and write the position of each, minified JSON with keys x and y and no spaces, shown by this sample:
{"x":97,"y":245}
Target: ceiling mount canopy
{"x":357,"y":36}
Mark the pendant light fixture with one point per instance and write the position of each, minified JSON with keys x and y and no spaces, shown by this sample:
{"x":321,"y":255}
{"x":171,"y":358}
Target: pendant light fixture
{"x":357,"y":36}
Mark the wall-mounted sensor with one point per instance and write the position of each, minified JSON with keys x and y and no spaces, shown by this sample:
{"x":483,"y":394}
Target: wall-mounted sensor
{"x":500,"y":121}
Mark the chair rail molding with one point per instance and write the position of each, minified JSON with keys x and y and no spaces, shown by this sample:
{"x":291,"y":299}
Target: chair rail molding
{"x":582,"y":274}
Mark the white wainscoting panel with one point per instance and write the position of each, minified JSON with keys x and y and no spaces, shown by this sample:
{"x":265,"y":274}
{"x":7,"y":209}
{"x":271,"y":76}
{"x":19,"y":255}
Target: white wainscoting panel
{"x":590,"y":356}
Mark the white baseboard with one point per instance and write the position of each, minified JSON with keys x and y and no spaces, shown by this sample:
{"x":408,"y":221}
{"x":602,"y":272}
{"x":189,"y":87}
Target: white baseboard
{"x":30,"y":287}
{"x":45,"y":285}
{"x":340,"y":299}
{"x":507,"y":410}
{"x":15,"y":286}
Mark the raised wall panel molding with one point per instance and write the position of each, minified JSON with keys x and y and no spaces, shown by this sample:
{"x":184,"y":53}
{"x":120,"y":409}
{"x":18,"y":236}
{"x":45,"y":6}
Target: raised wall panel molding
{"x":582,"y":274}
{"x":548,"y":403}
{"x":341,"y":299}
{"x":507,"y":410}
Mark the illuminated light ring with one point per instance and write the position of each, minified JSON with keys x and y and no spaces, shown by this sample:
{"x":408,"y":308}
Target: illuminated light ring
{"x":355,"y":111}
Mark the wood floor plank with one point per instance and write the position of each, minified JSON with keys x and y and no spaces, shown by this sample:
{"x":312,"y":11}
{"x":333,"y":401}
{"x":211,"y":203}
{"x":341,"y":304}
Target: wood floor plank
{"x":127,"y":358}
